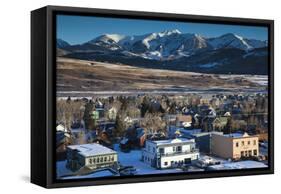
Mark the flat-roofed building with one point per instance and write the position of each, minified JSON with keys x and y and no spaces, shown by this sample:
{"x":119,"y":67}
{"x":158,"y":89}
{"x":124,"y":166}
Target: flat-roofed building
{"x":92,"y":156}
{"x":169,"y":153}
{"x":235,"y":145}
{"x":204,"y":140}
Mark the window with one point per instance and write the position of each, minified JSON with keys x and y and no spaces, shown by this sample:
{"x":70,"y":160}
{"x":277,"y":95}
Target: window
{"x":242,"y":153}
{"x":165,"y":163}
{"x":94,"y":160}
{"x":105,"y":159}
{"x":112,"y":158}
{"x":179,"y":148}
{"x":161,"y":150}
{"x":250,"y":152}
{"x":242,"y":143}
{"x":101,"y":159}
{"x":174,"y":149}
{"x":188,"y":160}
{"x":90,"y":161}
{"x":249,"y":142}
{"x":237,"y":144}
{"x":98,"y":160}
{"x":254,"y":142}
{"x":255,"y":152}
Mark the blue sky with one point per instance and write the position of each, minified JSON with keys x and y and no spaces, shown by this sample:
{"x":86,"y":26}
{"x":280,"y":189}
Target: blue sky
{"x":80,"y":29}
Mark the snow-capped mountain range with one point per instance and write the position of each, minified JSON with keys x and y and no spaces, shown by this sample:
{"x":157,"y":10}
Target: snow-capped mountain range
{"x":171,"y":47}
{"x":172,"y":44}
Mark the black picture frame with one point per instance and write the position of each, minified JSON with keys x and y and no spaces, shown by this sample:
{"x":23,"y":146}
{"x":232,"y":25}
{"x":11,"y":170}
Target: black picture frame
{"x":43,"y":95}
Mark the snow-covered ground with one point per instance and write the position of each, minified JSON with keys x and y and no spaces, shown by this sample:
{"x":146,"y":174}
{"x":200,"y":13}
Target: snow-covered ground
{"x":238,"y":165}
{"x":133,"y":159}
{"x":209,"y":65}
{"x":64,"y":173}
{"x":104,"y":173}
{"x":62,"y":170}
{"x":257,"y":79}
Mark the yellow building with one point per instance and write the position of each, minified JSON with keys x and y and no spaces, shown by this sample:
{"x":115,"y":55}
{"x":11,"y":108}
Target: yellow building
{"x":235,"y":145}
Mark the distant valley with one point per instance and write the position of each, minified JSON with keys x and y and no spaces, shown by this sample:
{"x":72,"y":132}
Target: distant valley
{"x":80,"y":77}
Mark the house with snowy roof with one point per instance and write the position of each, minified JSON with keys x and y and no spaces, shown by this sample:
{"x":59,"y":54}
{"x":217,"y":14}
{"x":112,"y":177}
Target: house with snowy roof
{"x":183,"y":120}
{"x":61,"y":128}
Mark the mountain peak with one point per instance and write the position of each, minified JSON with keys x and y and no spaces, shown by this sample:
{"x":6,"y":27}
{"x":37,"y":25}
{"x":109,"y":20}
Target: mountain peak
{"x":230,"y":40}
{"x":228,"y":35}
{"x":169,"y":32}
{"x":232,"y":35}
{"x":62,"y":43}
{"x":108,"y":38}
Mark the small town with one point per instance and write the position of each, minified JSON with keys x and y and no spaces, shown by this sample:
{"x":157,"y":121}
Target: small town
{"x":156,"y":133}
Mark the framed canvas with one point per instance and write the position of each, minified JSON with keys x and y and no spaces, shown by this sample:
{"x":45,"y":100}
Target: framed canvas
{"x":126,"y":96}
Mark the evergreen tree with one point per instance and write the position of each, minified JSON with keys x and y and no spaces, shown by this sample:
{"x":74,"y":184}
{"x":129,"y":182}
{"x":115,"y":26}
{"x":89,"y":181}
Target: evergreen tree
{"x":87,"y":114}
{"x":144,"y":106}
{"x":228,"y":126}
{"x":119,"y":125}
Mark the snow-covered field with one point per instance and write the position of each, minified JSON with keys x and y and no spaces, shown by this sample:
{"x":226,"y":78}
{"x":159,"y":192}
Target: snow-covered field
{"x":257,"y":79}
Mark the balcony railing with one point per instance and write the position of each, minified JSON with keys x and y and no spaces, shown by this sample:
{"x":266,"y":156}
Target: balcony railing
{"x":177,"y":153}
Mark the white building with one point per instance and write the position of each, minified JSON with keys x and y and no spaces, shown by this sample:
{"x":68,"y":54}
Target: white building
{"x":91,"y":156}
{"x":112,"y":113}
{"x":128,"y":120}
{"x":169,"y":153}
{"x":61,"y":128}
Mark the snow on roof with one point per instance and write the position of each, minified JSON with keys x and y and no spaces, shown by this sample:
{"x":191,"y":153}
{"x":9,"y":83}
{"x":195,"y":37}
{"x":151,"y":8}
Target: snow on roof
{"x":124,"y":140}
{"x":237,"y":135}
{"x":239,"y":165}
{"x":194,"y":130}
{"x":207,"y":133}
{"x":173,"y":141}
{"x":60,"y":127}
{"x":91,"y":149}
